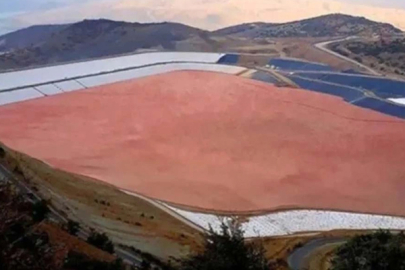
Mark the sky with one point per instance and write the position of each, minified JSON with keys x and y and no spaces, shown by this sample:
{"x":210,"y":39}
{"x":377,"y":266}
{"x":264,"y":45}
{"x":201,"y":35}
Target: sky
{"x":206,"y":14}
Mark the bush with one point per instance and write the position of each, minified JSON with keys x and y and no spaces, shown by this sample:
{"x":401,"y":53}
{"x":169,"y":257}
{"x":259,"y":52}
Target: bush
{"x":101,"y":241}
{"x":358,"y":59}
{"x":381,"y":250}
{"x":73,"y":227}
{"x":40,"y":211}
{"x":228,"y":251}
{"x":145,"y":265}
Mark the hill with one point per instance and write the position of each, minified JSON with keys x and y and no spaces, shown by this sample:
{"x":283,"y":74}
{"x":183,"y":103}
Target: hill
{"x":49,"y":44}
{"x":386,"y":54}
{"x":30,"y":36}
{"x":90,"y":39}
{"x":28,"y":242}
{"x":323,"y":26}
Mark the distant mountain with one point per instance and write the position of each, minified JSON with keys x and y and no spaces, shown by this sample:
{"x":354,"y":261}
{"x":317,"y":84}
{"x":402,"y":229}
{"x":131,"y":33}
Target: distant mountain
{"x":90,"y":39}
{"x":323,"y":26}
{"x":241,"y":28}
{"x":48,"y":44}
{"x":95,"y":38}
{"x":30,"y":36}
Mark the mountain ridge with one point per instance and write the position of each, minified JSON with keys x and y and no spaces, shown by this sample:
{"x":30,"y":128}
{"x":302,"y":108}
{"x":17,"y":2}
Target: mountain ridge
{"x":91,"y":39}
{"x":326,"y":25}
{"x":88,"y":39}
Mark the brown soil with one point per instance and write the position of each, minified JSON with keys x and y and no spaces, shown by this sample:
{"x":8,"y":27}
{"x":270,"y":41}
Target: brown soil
{"x":218,"y":142}
{"x":304,"y":49}
{"x":67,"y":242}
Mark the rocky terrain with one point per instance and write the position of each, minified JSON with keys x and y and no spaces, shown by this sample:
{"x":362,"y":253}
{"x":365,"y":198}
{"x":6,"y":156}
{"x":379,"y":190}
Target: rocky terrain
{"x":323,"y":26}
{"x":384,"y":54}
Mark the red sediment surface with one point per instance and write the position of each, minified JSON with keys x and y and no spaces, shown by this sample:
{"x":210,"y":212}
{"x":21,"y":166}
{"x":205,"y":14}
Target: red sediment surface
{"x":220,"y":142}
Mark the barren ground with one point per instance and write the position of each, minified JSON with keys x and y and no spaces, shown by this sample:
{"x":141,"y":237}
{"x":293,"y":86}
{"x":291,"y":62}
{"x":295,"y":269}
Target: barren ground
{"x":304,"y":48}
{"x":66,"y":242}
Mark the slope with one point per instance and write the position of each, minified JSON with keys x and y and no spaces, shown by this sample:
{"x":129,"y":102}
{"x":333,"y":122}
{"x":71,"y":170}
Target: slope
{"x":98,"y":38}
{"x":31,"y":36}
{"x":327,"y":25}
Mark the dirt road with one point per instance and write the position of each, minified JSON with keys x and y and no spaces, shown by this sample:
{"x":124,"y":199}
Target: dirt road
{"x":323,"y":46}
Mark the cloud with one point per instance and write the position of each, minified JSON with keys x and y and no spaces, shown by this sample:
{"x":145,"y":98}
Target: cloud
{"x":208,"y":14}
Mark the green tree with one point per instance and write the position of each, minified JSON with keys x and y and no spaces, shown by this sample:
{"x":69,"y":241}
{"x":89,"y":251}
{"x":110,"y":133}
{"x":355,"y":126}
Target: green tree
{"x":73,"y":227}
{"x":228,"y":250}
{"x":101,"y":241}
{"x":145,"y":265}
{"x":40,"y":210}
{"x":382,"y":250}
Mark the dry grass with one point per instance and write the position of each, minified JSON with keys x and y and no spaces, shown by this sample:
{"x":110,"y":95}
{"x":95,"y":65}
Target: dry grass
{"x":278,"y":249}
{"x":67,"y":242}
{"x":304,"y":49}
{"x":128,"y":220}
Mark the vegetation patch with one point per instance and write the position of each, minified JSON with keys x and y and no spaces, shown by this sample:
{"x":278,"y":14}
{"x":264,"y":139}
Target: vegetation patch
{"x":381,"y":250}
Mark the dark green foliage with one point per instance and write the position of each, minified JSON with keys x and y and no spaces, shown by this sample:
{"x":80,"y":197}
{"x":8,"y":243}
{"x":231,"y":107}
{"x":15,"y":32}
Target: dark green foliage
{"x":15,"y":231}
{"x":2,"y":153}
{"x":101,"y":241}
{"x":358,"y":59}
{"x":389,"y":52}
{"x":78,"y":261}
{"x":21,"y":247}
{"x":73,"y":227}
{"x":145,"y":265}
{"x":228,"y":251}
{"x":336,"y":48}
{"x":40,"y":210}
{"x":379,"y":251}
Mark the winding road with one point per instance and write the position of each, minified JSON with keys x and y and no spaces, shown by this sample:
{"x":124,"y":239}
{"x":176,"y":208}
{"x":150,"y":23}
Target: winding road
{"x":323,"y":46}
{"x":296,"y":261}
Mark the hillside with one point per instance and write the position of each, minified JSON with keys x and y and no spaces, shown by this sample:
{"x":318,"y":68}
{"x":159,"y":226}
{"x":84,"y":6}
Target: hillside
{"x":31,"y":241}
{"x":386,"y":55}
{"x":323,"y":26}
{"x":30,"y":36}
{"x":91,"y":39}
{"x":50,"y":44}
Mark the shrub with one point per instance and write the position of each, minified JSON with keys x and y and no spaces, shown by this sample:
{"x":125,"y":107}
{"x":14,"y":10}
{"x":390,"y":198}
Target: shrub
{"x":358,"y":59}
{"x":228,"y":250}
{"x":40,"y":210}
{"x":73,"y":227}
{"x":101,"y":241}
{"x":381,"y":250}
